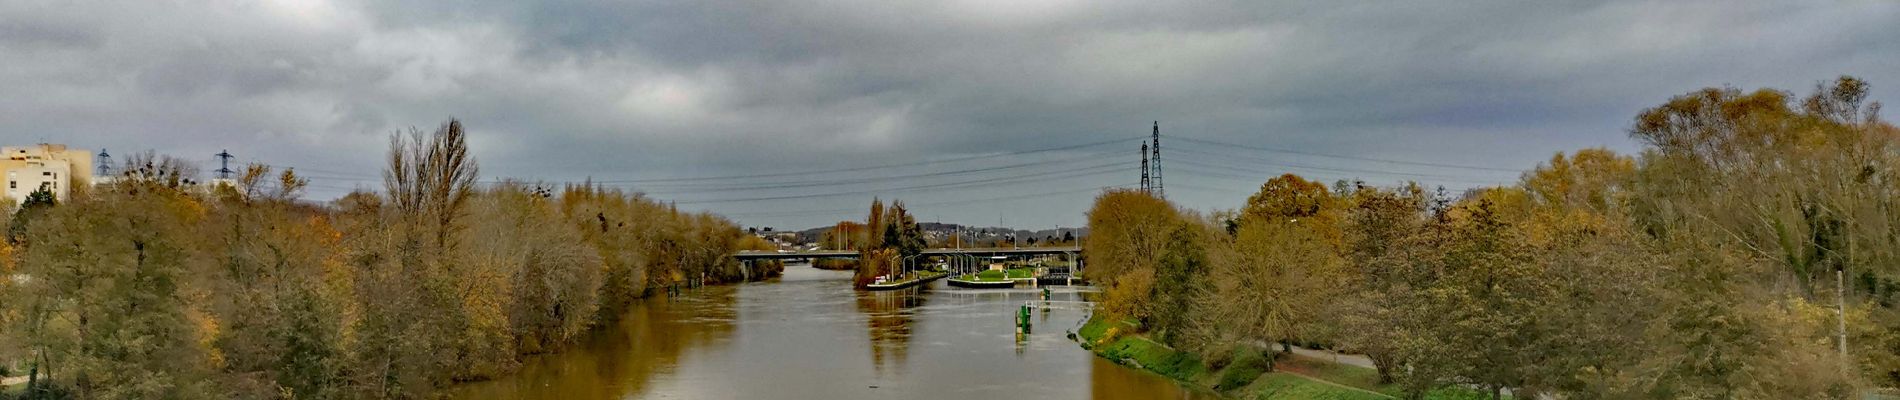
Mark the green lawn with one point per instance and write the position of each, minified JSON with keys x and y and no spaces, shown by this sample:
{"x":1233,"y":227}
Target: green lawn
{"x":985,"y":276}
{"x":1021,"y":273}
{"x":1094,"y":329}
{"x":1363,"y":378}
{"x":1155,"y":357}
{"x":1286,"y":386}
{"x":1245,"y":374}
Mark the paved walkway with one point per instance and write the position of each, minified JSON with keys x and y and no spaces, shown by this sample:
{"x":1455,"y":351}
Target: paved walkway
{"x":1356,"y":360}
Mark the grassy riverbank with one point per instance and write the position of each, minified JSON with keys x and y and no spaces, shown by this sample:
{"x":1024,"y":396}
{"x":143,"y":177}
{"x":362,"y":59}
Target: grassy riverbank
{"x":1246,"y":374}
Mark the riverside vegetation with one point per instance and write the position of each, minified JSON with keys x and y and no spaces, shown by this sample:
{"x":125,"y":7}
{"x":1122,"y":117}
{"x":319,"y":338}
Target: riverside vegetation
{"x":153,"y":286}
{"x":886,"y":238}
{"x":1749,"y":252}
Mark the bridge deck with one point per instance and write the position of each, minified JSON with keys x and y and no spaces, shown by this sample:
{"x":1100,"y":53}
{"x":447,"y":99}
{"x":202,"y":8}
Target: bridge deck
{"x":988,"y":251}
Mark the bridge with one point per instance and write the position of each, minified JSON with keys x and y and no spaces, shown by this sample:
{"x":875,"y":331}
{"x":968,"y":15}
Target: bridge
{"x":961,"y":260}
{"x":748,"y":255}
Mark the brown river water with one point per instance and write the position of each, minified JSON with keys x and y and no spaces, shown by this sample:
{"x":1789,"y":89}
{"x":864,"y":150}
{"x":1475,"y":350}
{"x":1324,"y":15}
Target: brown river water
{"x":810,"y":336}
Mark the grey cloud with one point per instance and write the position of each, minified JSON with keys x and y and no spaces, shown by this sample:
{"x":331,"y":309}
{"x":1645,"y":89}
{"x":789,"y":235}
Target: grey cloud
{"x":642,"y":89}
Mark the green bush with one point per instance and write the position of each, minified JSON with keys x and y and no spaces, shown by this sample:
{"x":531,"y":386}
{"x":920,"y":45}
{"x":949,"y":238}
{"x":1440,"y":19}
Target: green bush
{"x":1245,"y":366}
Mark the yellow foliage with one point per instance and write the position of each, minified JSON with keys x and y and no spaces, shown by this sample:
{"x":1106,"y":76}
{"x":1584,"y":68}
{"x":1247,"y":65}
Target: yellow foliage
{"x":1290,"y":198}
{"x":1128,"y":298}
{"x":1595,"y":179}
{"x":208,"y":331}
{"x":756,"y":243}
{"x":1127,"y":231}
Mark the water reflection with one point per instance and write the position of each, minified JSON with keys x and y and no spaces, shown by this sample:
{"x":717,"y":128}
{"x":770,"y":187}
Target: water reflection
{"x":809,"y":336}
{"x":659,"y":331}
{"x":887,"y":317}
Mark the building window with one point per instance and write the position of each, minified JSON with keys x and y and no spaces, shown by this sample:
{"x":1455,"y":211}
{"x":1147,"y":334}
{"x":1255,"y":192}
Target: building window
{"x":46,"y":173}
{"x":13,"y":184}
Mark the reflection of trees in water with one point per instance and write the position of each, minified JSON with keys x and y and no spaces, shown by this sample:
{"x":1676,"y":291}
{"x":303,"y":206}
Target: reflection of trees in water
{"x":888,"y":317}
{"x":1110,"y":381}
{"x":621,"y":360}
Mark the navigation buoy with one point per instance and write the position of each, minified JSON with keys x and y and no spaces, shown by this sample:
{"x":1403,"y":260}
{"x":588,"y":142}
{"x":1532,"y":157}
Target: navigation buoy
{"x":1022,"y":319}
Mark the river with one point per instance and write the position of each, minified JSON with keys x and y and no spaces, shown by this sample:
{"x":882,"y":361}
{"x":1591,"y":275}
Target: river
{"x":808,"y":335}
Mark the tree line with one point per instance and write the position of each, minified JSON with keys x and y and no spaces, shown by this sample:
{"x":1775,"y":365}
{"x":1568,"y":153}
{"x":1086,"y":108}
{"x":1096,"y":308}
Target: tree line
{"x":152,"y":285}
{"x":1749,"y":251}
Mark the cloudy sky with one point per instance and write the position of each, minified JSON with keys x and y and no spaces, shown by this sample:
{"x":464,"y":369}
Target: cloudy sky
{"x":796,"y":113}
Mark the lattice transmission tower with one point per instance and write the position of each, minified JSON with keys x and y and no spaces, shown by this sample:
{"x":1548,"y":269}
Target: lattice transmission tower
{"x":1145,"y":186}
{"x":1154,"y":171}
{"x":224,"y":164}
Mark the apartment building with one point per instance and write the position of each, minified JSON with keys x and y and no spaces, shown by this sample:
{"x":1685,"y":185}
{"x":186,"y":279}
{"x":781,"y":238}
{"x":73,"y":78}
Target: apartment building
{"x":51,"y":166}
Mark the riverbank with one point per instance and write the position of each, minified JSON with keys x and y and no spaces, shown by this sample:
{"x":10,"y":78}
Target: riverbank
{"x":1245,"y":374}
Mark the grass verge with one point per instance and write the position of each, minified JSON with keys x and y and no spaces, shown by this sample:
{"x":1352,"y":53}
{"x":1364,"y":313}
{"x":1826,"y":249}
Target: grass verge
{"x":1246,"y":374}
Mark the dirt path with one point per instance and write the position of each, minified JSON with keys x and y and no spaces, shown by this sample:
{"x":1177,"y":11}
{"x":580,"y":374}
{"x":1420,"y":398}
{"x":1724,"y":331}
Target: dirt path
{"x":13,"y":380}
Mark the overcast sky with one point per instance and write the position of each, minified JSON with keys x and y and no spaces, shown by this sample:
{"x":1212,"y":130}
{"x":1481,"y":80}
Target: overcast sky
{"x":641,"y":93}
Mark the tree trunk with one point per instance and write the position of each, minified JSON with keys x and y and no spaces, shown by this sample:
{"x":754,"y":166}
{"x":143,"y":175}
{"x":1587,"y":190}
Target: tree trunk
{"x":1384,"y":367}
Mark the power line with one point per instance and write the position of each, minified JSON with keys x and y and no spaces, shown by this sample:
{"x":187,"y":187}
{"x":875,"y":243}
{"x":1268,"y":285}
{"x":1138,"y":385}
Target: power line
{"x":1346,"y":157}
{"x":990,"y":181}
{"x":873,"y":179}
{"x":1283,"y":164}
{"x":936,"y":203}
{"x":1096,"y":166}
{"x":1214,"y":189}
{"x":1449,"y":178}
{"x":875,"y":167}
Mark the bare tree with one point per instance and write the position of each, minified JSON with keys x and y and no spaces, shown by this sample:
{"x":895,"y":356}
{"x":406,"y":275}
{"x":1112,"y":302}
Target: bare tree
{"x":430,"y":178}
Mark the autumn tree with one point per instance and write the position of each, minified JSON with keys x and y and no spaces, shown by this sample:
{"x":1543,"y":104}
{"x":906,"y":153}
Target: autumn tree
{"x":1293,"y":199}
{"x":544,"y":279}
{"x":110,"y":312}
{"x":891,"y":235}
{"x":1131,"y":235}
{"x":1285,"y":267}
{"x":763,"y":268}
{"x":414,"y":325}
{"x":1771,"y":201}
{"x":281,"y":289}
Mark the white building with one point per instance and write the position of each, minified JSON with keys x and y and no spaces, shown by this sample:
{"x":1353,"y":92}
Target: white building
{"x":50,"y":166}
